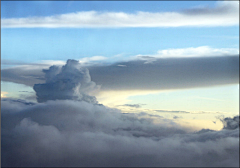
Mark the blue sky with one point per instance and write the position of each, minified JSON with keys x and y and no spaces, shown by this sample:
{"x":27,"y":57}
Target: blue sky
{"x":45,"y":8}
{"x":36,"y":31}
{"x":42,"y":44}
{"x":62,"y":43}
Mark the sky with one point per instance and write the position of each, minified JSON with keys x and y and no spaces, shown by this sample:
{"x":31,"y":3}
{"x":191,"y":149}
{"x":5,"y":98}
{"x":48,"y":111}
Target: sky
{"x":127,"y":72}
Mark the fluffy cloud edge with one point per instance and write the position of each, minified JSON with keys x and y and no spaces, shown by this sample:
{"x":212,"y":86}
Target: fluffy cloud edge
{"x":91,"y":135}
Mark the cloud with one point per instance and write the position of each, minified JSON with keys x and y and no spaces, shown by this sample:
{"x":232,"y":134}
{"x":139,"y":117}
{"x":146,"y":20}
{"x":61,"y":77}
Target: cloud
{"x":27,"y":74}
{"x":25,"y":91}
{"x":70,"y":81}
{"x":176,"y":117}
{"x":92,"y":59}
{"x":140,"y":114}
{"x":133,"y":105}
{"x":202,"y":51}
{"x":12,"y":62}
{"x":173,"y":111}
{"x":168,"y":73}
{"x":231,"y":123}
{"x":161,"y":74}
{"x":72,"y":133}
{"x":63,"y":131}
{"x":189,"y":112}
{"x":223,"y":14}
{"x":222,"y":7}
{"x":121,"y":65}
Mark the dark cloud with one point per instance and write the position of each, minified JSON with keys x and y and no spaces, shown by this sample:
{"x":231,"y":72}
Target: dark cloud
{"x":19,"y":101}
{"x":172,"y":111}
{"x":162,"y":73}
{"x":231,"y":123}
{"x":176,"y":117}
{"x":23,"y":75}
{"x":63,"y":131}
{"x":140,"y":114}
{"x":221,"y":9}
{"x":133,"y":105}
{"x":203,"y":131}
{"x":25,"y":91}
{"x":77,"y":133}
{"x":168,"y":73}
{"x":70,"y":81}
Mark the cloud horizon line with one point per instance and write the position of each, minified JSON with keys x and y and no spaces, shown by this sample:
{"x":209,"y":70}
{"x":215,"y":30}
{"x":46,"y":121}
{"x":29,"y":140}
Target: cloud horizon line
{"x":223,"y":14}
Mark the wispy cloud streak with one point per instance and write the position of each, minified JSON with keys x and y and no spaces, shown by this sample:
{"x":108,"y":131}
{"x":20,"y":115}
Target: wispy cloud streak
{"x":223,"y":14}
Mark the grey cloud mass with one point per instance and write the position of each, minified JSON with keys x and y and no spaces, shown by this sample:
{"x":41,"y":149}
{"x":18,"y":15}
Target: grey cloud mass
{"x":223,"y":7}
{"x":168,"y":73}
{"x":231,"y":123}
{"x":162,"y":73}
{"x":64,"y":131}
{"x":77,"y":133}
{"x":23,"y":75}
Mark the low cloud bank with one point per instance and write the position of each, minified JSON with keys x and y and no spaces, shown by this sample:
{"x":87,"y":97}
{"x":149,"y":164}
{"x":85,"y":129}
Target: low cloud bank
{"x":64,"y":130}
{"x":77,"y":133}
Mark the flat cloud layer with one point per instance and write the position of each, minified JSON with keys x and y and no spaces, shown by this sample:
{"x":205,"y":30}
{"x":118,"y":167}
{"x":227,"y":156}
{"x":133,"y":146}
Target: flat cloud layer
{"x":73,"y":133}
{"x":167,"y":73}
{"x":147,"y":73}
{"x":224,"y":14}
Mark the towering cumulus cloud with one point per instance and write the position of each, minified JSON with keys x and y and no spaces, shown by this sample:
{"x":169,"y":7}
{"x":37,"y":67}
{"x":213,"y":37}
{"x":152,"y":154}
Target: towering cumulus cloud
{"x":62,"y":131}
{"x":69,"y":82}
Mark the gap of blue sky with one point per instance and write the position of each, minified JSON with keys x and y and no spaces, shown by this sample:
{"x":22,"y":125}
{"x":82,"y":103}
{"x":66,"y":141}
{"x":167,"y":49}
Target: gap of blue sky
{"x":60,"y":44}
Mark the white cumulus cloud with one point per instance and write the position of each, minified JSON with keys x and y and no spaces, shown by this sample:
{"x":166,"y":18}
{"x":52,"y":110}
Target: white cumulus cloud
{"x":202,"y":51}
